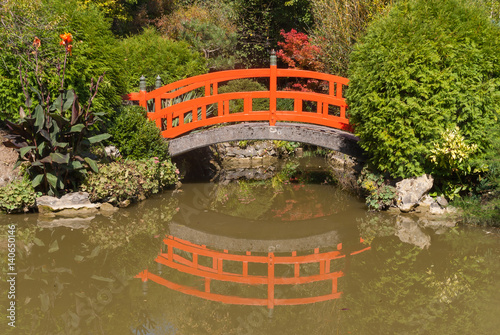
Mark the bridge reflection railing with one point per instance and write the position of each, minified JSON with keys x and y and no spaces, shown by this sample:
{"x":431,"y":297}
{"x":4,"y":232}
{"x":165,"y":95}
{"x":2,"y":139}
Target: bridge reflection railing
{"x":184,"y":256}
{"x":173,"y":120}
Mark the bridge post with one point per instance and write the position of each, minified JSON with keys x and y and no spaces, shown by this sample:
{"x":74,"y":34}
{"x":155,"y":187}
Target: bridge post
{"x":273,"y":83}
{"x":158,"y":82}
{"x":142,"y":92}
{"x":157,"y":102}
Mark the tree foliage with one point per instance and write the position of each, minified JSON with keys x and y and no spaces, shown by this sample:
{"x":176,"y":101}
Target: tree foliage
{"x":426,"y":67}
{"x":260,"y":22}
{"x":298,"y":53}
{"x":149,"y":54}
{"x":208,"y":27}
{"x":339,"y":25}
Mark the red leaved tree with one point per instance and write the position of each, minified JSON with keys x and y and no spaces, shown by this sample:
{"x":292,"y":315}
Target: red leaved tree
{"x":298,"y":53}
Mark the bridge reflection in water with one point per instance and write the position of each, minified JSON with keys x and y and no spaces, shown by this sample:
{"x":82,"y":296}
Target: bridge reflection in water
{"x":211,"y":265}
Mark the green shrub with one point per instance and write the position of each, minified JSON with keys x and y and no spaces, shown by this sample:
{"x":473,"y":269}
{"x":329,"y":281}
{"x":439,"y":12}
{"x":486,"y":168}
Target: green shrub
{"x":379,"y":194}
{"x":18,"y":196}
{"x":353,"y":16}
{"x":130,"y":180}
{"x":150,"y":54}
{"x":426,"y":67}
{"x":137,"y":137}
{"x":483,"y":207}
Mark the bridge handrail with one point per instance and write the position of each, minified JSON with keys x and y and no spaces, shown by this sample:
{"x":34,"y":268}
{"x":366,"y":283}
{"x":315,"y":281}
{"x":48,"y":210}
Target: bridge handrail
{"x":166,"y":110}
{"x":182,"y":86}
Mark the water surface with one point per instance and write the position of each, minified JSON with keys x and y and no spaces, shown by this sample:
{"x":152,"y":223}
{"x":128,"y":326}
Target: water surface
{"x":333,"y":268}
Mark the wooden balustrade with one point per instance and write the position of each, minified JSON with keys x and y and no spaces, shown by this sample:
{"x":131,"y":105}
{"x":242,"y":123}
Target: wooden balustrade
{"x":175,"y":114}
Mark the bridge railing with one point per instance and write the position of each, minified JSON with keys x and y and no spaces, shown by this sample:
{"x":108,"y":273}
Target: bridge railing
{"x":195,"y":102}
{"x":186,"y":257}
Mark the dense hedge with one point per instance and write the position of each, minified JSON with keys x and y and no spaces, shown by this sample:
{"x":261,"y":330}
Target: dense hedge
{"x":419,"y":72}
{"x":149,"y":54}
{"x":135,"y":136}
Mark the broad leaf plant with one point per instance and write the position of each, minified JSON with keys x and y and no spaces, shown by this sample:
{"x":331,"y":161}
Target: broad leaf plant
{"x":53,"y":136}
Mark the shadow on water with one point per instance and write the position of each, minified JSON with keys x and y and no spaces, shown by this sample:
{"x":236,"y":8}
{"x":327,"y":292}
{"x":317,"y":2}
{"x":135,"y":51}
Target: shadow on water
{"x":252,"y":258}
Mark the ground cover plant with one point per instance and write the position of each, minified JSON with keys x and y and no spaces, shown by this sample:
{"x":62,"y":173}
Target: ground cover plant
{"x":130,"y":180}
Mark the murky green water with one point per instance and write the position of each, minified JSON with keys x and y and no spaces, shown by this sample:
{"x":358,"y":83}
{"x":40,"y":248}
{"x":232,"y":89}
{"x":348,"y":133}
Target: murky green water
{"x":251,"y":259}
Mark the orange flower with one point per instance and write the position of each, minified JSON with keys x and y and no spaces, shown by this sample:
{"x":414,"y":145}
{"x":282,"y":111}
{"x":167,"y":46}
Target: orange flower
{"x":67,"y":38}
{"x":36,"y":42}
{"x":69,"y":48}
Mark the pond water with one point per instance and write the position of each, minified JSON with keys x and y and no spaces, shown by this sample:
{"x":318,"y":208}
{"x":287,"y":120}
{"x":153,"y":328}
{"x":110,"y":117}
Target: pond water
{"x":274,"y":257}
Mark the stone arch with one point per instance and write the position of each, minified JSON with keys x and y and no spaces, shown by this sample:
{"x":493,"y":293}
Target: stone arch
{"x":329,"y":138}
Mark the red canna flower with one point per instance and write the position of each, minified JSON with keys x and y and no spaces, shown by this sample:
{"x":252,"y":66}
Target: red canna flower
{"x":36,"y":43}
{"x":67,"y":38}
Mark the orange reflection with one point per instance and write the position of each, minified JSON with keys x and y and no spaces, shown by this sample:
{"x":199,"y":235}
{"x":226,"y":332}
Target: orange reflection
{"x":187,"y":262}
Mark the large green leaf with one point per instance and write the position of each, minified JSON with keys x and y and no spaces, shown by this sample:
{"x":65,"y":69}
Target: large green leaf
{"x":61,"y":144}
{"x":61,"y":120}
{"x":70,"y":98}
{"x":76,"y":165}
{"x":54,"y":181}
{"x":64,"y":100}
{"x":23,"y":151}
{"x":59,"y":158}
{"x":40,"y":148}
{"x":45,"y":135}
{"x":39,"y":117}
{"x":99,"y":138}
{"x":37,"y":180}
{"x":92,"y":164}
{"x":77,"y":128}
{"x":46,"y":160}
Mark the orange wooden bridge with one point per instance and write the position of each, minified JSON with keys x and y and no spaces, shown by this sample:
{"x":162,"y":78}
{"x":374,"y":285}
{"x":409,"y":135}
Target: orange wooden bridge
{"x":183,"y":106}
{"x":186,"y":257}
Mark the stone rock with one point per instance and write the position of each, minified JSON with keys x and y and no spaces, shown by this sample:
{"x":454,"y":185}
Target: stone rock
{"x":442,"y":201}
{"x":411,"y":190}
{"x":452,"y":210}
{"x":124,"y":203}
{"x":74,"y":200}
{"x":112,"y":151}
{"x":107,"y":209}
{"x":426,"y":201}
{"x":436,"y":209}
{"x":408,"y":231}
